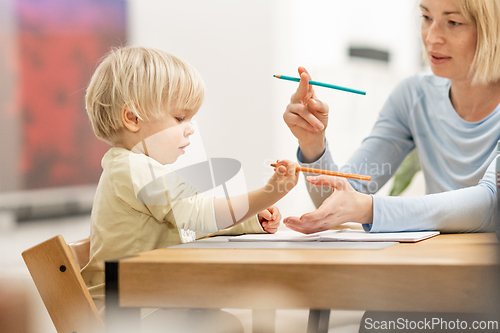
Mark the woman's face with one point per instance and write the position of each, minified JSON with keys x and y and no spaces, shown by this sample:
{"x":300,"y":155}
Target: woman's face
{"x":449,"y":39}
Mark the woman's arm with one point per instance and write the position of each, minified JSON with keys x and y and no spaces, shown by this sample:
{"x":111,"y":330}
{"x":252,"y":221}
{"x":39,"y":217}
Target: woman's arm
{"x":380,"y":154}
{"x":470,"y":209}
{"x":281,"y":182}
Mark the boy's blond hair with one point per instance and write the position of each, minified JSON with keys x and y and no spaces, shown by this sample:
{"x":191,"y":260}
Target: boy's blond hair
{"x":147,"y":81}
{"x":486,"y":15}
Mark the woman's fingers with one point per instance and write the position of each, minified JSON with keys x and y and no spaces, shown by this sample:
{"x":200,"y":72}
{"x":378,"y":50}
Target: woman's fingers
{"x":303,"y":90}
{"x":317,"y":107}
{"x":296,"y":224}
{"x":332,"y":181}
{"x":300,"y":116}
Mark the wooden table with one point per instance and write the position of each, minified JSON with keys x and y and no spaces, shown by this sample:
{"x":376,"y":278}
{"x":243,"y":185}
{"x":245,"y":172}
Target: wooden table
{"x":447,"y":273}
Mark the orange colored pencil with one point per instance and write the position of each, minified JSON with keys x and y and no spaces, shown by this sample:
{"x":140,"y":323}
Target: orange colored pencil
{"x":330,"y":173}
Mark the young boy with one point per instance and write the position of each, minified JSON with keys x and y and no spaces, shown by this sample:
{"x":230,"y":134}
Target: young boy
{"x":141,"y":101}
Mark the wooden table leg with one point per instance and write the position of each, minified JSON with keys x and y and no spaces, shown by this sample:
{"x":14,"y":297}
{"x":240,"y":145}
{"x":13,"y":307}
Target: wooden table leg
{"x":118,"y":319}
{"x":318,"y":321}
{"x":263,"y":321}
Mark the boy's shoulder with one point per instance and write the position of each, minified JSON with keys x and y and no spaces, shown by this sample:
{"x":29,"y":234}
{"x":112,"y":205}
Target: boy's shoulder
{"x":126,"y":168}
{"x":116,"y":161}
{"x":124,"y":160}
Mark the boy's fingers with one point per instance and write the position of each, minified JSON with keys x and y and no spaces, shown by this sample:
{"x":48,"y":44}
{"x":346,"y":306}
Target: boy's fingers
{"x":290,"y":168}
{"x":281,"y":170}
{"x":274,"y":211}
{"x":273,"y":221}
{"x":269,"y":227}
{"x":266,"y":214}
{"x":277,"y":216}
{"x":272,"y":231}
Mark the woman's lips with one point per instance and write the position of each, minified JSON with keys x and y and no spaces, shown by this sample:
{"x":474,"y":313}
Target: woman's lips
{"x":438,"y":59}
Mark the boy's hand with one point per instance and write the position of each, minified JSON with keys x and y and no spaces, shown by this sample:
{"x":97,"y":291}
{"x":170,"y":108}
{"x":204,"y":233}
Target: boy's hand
{"x":285,"y":177}
{"x":270,"y":219}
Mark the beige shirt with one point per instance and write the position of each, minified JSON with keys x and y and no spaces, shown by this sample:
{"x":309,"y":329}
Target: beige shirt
{"x":132,"y":213}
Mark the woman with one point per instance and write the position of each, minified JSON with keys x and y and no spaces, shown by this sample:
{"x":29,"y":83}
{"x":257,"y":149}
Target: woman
{"x":452,"y":117}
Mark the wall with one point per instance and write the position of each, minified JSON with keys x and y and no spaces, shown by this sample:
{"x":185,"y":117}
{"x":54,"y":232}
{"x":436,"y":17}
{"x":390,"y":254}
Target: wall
{"x":238,"y":45}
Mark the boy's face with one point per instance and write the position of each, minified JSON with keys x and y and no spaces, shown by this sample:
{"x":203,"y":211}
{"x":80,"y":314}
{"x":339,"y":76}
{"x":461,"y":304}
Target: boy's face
{"x":167,"y":138}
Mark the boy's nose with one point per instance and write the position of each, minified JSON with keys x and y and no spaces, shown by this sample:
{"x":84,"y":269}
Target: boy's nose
{"x":189,"y":129}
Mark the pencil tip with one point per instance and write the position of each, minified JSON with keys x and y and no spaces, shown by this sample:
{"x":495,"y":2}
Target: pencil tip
{"x":277,"y":76}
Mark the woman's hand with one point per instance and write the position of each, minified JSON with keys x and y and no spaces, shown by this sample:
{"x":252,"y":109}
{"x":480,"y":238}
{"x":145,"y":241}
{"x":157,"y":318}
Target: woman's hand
{"x":270,"y":219}
{"x":343,"y":205}
{"x":307,"y":118}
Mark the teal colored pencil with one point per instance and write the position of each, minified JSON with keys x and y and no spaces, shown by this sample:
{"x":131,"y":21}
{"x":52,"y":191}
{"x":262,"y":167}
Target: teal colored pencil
{"x":315,"y":83}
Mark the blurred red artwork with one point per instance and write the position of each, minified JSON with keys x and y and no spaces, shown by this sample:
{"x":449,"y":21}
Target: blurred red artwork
{"x":60,"y":43}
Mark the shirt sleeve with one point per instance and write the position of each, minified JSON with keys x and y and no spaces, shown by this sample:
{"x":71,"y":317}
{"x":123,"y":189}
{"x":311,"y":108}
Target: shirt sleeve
{"x":470,"y":209}
{"x":318,"y":193}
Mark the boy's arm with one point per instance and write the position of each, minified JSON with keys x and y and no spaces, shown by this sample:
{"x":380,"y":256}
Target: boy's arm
{"x":249,"y":226}
{"x":280,"y":183}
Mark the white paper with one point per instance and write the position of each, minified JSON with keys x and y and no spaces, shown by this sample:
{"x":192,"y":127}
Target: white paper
{"x":343,"y":235}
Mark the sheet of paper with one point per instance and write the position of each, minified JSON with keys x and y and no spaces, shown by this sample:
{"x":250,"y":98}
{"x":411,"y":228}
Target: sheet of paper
{"x":363,"y":236}
{"x":280,"y":236}
{"x":344,"y":235}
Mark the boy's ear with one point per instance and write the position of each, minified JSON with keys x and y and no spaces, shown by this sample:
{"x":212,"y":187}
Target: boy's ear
{"x":130,"y":119}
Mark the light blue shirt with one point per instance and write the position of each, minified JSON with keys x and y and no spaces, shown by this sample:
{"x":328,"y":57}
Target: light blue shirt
{"x":456,"y":156}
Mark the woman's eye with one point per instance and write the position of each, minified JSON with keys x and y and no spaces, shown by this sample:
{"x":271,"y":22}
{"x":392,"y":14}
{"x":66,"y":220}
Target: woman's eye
{"x":426,"y":18}
{"x":180,"y":119}
{"x":454,"y":23}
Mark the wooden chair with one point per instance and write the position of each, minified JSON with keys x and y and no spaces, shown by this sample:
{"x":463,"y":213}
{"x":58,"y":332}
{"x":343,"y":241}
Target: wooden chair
{"x":55,"y":269}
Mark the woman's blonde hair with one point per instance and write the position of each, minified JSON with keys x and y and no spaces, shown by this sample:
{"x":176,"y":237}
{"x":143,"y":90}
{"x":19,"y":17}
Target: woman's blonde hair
{"x":147,"y":81}
{"x":486,"y":15}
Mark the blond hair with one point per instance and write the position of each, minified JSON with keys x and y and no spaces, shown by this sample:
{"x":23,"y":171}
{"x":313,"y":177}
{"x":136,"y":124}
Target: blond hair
{"x":149,"y":82}
{"x":486,"y":16}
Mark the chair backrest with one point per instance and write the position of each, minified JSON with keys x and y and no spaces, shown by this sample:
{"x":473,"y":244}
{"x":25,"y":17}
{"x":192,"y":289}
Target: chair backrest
{"x":57,"y":277}
{"x":81,"y":251}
